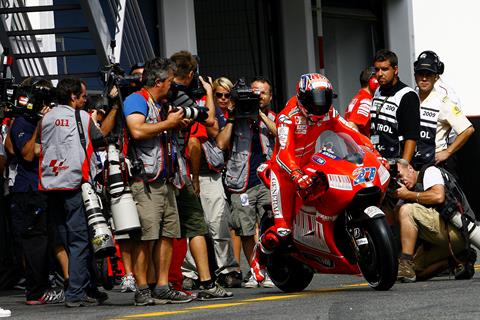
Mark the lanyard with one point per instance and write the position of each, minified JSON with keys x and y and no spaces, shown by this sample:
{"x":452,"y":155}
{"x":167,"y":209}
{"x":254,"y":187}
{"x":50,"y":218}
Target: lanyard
{"x":377,"y":113}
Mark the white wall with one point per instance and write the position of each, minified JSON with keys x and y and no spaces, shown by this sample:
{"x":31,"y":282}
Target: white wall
{"x":451,"y":30}
{"x":178,"y":26}
{"x":298,"y":45}
{"x":399,"y":36}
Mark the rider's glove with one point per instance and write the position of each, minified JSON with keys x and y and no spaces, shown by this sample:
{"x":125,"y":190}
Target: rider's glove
{"x":302,"y":180}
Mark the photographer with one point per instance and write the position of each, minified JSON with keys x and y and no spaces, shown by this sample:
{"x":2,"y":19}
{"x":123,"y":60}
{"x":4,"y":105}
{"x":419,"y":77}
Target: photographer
{"x":250,"y":140}
{"x":422,"y":217}
{"x":192,"y":217}
{"x":29,"y":206}
{"x":150,"y":125}
{"x":67,"y":139}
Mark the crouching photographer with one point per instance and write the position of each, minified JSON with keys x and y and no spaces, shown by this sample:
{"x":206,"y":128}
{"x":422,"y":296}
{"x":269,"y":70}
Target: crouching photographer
{"x":29,"y":206}
{"x":68,"y":137}
{"x":436,"y":214}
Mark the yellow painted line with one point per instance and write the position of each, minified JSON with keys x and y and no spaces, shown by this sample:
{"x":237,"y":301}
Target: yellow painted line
{"x":220,"y":305}
{"x":271,"y":298}
{"x":155,"y":314}
{"x":356,"y":285}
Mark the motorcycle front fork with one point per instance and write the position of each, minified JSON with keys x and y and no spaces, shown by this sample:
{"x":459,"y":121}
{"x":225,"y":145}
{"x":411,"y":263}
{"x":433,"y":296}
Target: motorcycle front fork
{"x":357,"y":235}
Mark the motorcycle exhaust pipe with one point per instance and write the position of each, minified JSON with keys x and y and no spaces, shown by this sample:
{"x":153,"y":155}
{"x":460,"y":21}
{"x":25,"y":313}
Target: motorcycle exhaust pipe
{"x":122,"y":205}
{"x":101,"y":236}
{"x":473,"y":230}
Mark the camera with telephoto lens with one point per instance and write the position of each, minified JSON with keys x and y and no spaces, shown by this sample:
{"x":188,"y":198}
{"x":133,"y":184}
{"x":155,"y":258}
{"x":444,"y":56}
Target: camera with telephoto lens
{"x":246,"y":100}
{"x":100,"y":233}
{"x":182,"y":100}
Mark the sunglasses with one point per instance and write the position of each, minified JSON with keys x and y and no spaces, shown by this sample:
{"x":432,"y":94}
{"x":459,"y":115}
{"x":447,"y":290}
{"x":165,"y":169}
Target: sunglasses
{"x":222,"y":95}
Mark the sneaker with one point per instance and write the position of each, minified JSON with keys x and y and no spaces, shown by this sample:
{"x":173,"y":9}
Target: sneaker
{"x":189,"y":284}
{"x":143,"y":297}
{"x":4,"y":313}
{"x":251,"y":282}
{"x":406,"y":272}
{"x":164,"y":296}
{"x":50,"y":296}
{"x":267,"y":282}
{"x":215,"y":293}
{"x":85,"y":302}
{"x":230,"y":280}
{"x":128,"y":283}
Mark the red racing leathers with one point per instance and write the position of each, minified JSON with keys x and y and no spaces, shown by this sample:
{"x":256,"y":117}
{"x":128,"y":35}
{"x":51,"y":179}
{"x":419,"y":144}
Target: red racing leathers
{"x":295,"y":144}
{"x":358,"y":111}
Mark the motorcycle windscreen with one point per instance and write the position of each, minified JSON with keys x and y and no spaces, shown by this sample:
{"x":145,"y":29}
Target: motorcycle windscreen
{"x":340,"y":145}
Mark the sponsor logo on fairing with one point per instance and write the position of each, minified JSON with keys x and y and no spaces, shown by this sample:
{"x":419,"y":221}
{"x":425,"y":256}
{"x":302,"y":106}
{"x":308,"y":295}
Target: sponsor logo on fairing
{"x":340,"y":182}
{"x":363,"y":175}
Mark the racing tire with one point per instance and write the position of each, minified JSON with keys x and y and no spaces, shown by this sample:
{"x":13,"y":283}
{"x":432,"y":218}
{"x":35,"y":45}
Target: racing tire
{"x":378,"y":258}
{"x":287,"y":273}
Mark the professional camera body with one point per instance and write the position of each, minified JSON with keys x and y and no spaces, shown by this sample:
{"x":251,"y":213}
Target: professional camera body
{"x":246,"y":100}
{"x":182,"y":97}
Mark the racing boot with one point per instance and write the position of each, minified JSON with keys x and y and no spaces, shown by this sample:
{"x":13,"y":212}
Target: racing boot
{"x":270,"y":240}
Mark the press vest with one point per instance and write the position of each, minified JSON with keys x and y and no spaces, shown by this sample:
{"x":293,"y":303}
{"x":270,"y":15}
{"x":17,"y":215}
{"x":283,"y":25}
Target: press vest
{"x":383,"y":117}
{"x":238,"y":165}
{"x":151,"y":151}
{"x":454,"y":195}
{"x":64,"y":164}
{"x":429,"y":112}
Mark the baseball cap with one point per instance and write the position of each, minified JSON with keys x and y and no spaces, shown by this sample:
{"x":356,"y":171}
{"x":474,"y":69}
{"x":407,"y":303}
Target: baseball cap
{"x":427,"y":63}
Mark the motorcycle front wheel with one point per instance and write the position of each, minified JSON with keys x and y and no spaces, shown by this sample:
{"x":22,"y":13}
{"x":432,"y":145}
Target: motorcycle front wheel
{"x":378,"y":257}
{"x":287,"y":273}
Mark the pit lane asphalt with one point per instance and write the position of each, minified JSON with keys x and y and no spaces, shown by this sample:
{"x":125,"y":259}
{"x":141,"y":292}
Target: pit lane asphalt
{"x":327,"y":297}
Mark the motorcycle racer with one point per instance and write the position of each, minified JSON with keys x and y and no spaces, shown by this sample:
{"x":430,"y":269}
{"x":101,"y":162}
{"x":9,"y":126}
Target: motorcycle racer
{"x":299,"y":125}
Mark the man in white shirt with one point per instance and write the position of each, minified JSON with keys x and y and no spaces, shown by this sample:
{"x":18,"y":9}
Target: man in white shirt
{"x":444,"y":128}
{"x":421,"y":218}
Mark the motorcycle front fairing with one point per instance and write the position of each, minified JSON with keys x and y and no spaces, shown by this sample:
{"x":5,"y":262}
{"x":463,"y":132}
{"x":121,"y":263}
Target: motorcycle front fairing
{"x":349,"y":170}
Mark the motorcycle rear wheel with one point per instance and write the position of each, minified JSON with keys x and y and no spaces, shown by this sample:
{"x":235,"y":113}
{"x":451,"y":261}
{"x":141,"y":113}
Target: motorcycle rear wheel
{"x":378,"y":259}
{"x":287,"y":273}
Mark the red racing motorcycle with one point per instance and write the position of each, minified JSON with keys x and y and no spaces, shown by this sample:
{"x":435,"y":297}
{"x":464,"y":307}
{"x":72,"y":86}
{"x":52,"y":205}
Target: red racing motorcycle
{"x":338,"y":226}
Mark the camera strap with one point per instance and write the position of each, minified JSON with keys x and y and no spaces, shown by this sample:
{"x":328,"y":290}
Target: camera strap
{"x":81,"y":134}
{"x":83,"y":141}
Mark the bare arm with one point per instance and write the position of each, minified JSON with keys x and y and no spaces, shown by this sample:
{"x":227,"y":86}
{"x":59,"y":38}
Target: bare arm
{"x":195,"y":153}
{"x":409,"y":149}
{"x":109,"y":122}
{"x":224,"y":137}
{"x":210,"y":121}
{"x":142,"y":131}
{"x":213,"y":131}
{"x":434,"y":195}
{"x":459,"y":141}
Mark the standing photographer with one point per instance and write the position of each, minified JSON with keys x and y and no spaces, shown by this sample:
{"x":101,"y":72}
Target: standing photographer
{"x":150,"y":126}
{"x":29,"y":206}
{"x":67,"y":139}
{"x":250,"y":141}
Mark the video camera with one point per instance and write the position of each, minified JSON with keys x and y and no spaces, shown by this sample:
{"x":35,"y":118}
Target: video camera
{"x":245,"y":99}
{"x":114,"y":75}
{"x":25,"y":101}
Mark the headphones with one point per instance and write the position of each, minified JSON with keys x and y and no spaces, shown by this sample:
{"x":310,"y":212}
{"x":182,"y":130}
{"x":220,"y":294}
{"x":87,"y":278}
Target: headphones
{"x":432,"y":55}
{"x":373,"y":83}
{"x":372,"y":80}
